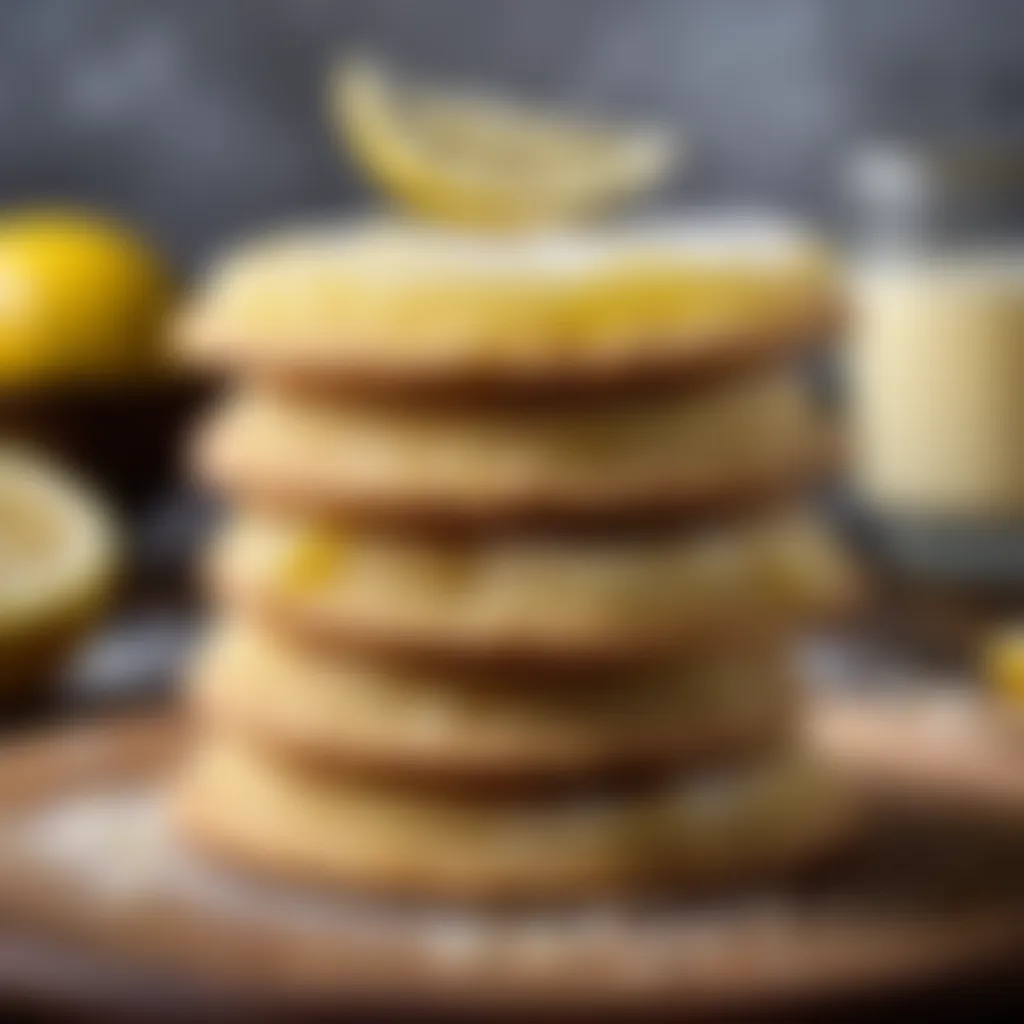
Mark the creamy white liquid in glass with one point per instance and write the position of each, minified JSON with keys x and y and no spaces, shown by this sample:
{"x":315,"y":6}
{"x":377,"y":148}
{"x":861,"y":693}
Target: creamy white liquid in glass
{"x":937,"y":385}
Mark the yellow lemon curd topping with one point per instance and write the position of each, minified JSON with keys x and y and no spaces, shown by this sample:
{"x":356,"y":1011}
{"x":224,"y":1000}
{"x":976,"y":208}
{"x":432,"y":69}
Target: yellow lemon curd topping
{"x":395,"y":291}
{"x":314,"y":560}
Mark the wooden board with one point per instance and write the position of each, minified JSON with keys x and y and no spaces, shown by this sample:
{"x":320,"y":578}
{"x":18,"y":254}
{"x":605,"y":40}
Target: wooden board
{"x":935,"y":888}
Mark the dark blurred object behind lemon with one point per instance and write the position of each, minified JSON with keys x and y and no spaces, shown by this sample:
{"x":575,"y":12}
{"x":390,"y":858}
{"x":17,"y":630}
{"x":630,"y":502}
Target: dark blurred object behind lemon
{"x":82,"y":304}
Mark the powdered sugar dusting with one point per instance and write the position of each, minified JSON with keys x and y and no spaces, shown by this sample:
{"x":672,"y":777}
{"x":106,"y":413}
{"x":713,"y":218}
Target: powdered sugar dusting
{"x":118,"y":848}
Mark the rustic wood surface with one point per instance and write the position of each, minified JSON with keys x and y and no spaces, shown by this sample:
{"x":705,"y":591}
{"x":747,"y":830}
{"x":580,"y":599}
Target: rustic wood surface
{"x":934,"y":889}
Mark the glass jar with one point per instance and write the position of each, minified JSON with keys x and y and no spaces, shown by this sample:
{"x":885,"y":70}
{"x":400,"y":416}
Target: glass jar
{"x":936,"y":358}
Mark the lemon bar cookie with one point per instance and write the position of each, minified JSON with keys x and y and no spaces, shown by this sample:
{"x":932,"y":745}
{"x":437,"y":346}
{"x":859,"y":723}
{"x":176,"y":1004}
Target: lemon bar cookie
{"x":525,"y":596}
{"x":702,"y":831}
{"x":743,"y":442}
{"x":430,"y":727}
{"x":378,"y":307}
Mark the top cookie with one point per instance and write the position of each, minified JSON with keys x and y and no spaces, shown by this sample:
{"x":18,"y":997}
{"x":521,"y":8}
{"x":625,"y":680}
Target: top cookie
{"x":374,"y":306}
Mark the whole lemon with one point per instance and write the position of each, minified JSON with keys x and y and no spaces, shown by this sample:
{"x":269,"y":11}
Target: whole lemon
{"x":81,"y":298}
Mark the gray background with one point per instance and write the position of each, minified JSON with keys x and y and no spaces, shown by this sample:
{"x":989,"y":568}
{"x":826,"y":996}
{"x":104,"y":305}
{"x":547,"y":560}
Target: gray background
{"x":201,"y":118}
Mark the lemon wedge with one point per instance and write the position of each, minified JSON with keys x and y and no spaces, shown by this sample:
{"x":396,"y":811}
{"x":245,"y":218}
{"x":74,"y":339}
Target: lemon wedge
{"x":58,"y":558}
{"x":1003,"y":666}
{"x":488,"y":162}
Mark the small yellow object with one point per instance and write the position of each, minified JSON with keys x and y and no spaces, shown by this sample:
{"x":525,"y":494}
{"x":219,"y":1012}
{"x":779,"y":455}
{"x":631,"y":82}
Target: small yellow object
{"x":311,"y":561}
{"x":81,"y":298}
{"x":1003,"y":665}
{"x":488,"y":162}
{"x":59,"y":555}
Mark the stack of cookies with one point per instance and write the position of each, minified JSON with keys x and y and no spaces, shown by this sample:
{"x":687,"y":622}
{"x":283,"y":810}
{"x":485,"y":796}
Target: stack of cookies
{"x":508,"y":599}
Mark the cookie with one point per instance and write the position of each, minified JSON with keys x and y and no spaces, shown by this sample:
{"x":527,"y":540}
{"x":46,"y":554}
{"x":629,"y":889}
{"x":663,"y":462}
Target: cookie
{"x":743,"y":443}
{"x":278,"y":816}
{"x":487,"y":729}
{"x":527,"y":598}
{"x":376,"y":308}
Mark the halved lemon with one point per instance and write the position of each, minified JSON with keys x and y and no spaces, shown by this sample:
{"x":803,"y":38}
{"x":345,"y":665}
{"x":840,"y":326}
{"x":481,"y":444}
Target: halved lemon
{"x":58,"y":560}
{"x":488,"y":162}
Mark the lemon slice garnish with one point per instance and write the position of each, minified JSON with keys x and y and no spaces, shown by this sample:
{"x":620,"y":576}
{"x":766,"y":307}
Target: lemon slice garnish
{"x":488,"y":162}
{"x":58,"y":556}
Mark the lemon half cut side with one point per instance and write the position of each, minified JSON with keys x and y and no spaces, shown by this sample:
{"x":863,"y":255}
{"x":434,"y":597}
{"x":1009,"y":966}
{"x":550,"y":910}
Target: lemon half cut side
{"x":487,"y":162}
{"x":58,"y":561}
